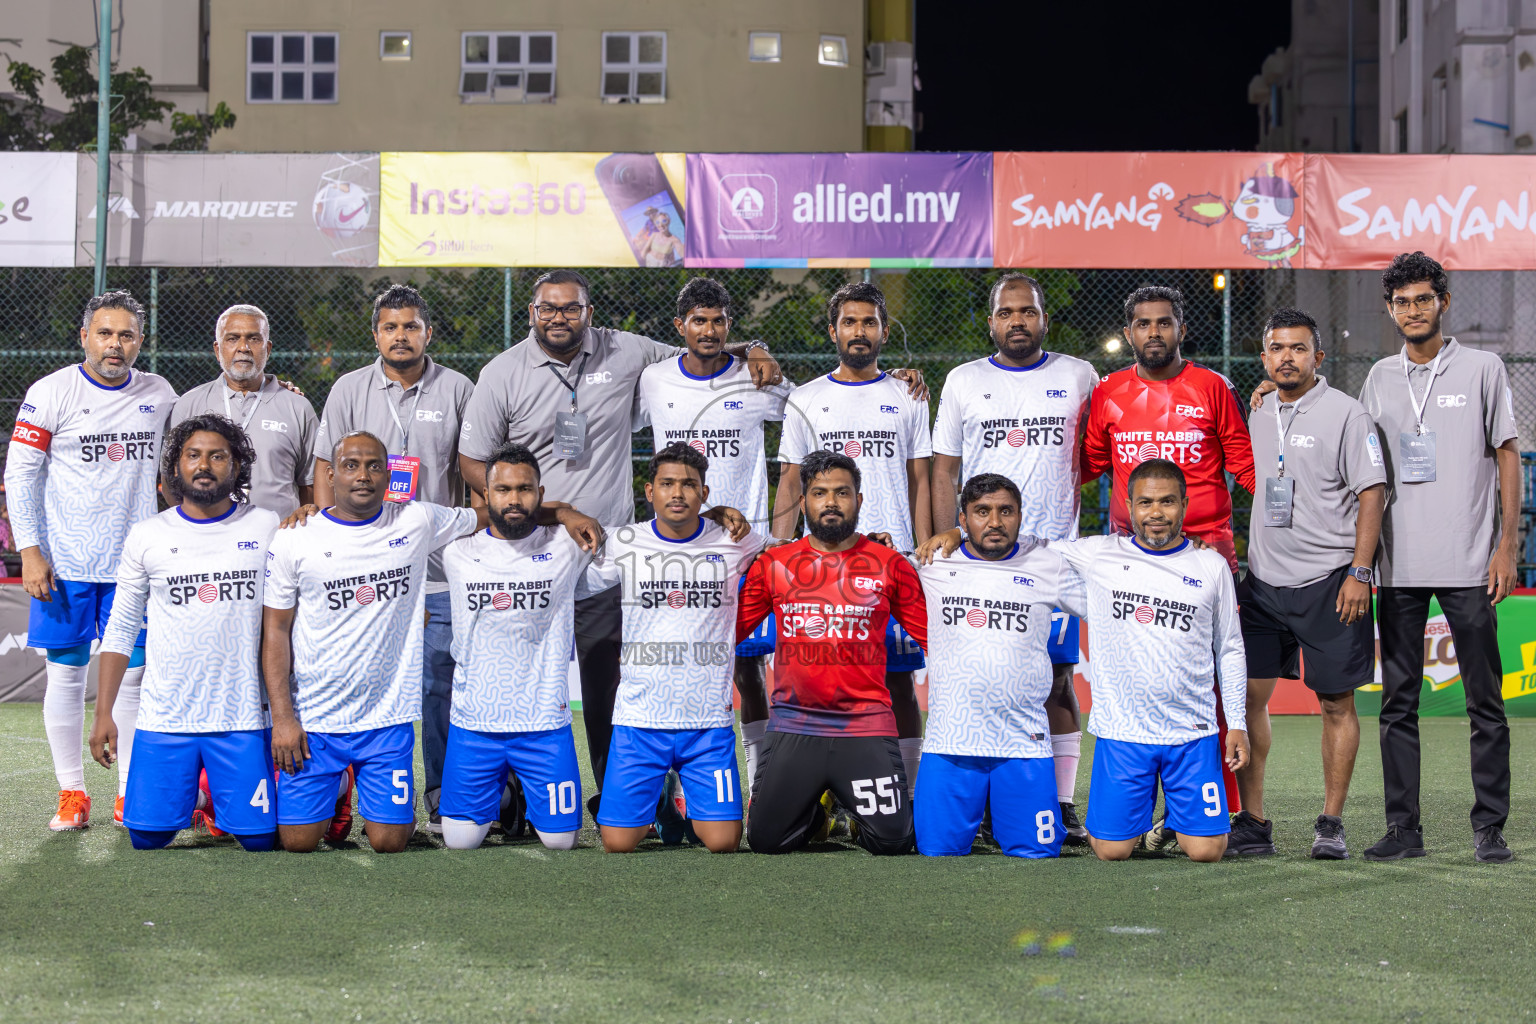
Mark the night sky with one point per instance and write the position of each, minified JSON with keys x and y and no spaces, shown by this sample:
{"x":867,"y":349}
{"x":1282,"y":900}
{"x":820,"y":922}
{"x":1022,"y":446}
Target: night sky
{"x":1093,"y":74}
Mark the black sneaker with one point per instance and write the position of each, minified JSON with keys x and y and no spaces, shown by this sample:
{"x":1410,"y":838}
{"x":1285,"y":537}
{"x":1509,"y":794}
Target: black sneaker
{"x":1250,"y":837}
{"x":1328,"y":839}
{"x":1490,"y":845}
{"x":429,"y":799}
{"x":1076,"y":835}
{"x":1399,"y":842}
{"x":514,"y":808}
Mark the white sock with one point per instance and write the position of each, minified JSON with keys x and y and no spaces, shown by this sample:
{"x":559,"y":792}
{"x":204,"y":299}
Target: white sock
{"x":911,"y":753}
{"x":551,"y":840}
{"x":64,"y":721}
{"x":1066,"y":748}
{"x":459,"y":834}
{"x":752,"y":736}
{"x":345,"y":783}
{"x":125,"y":714}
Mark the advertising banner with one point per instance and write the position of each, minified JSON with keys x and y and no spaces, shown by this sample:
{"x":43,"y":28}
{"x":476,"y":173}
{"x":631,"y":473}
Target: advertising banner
{"x":37,"y":209}
{"x":1469,"y":212}
{"x":235,"y":210}
{"x":1163,"y":210}
{"x":531,"y":210}
{"x":840,"y":209}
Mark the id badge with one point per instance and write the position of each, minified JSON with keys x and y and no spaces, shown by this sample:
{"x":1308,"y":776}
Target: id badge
{"x":1418,"y":457}
{"x":403,"y":471}
{"x":570,"y":434}
{"x":1278,"y":495}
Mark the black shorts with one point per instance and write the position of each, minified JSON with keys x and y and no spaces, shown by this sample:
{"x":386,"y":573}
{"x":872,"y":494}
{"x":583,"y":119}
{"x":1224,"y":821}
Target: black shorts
{"x":1280,"y":623}
{"x":865,"y":773}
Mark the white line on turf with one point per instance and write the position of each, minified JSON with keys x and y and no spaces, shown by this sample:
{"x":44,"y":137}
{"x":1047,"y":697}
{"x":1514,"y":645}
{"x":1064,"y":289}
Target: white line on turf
{"x":1131,"y":929}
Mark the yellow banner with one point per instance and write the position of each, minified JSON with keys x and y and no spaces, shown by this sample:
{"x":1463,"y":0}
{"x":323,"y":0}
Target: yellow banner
{"x":531,"y":209}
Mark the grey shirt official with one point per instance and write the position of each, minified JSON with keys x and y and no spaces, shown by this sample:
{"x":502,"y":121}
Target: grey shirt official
{"x":422,"y":420}
{"x":282,"y":427}
{"x":517,"y":398}
{"x":1332,"y":453}
{"x":1440,"y":533}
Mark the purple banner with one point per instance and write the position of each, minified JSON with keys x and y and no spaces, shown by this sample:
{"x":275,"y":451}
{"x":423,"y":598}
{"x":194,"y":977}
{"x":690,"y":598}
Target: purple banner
{"x":839,"y":209}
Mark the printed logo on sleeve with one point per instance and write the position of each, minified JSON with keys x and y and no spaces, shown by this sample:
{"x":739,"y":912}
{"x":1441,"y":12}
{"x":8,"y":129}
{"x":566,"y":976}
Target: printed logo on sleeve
{"x":32,"y":437}
{"x":1373,"y":450}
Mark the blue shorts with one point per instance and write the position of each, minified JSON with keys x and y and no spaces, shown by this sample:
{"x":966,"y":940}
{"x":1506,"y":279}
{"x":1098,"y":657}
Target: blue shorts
{"x":385,"y":762}
{"x":1063,"y":645}
{"x":901,"y":652}
{"x":952,"y":791}
{"x":638,"y":762}
{"x":77,"y":615}
{"x":162,"y":788}
{"x":762,"y":639}
{"x":475,"y":773}
{"x":1123,"y":788}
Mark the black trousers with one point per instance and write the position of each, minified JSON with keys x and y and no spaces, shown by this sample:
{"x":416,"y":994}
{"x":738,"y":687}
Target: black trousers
{"x":599,"y":634}
{"x":1401,"y":615}
{"x":865,"y":773}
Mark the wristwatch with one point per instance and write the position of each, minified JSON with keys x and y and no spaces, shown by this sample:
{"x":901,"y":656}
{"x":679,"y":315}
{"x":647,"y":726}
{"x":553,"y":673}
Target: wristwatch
{"x":1361,"y":573}
{"x":756,"y":343}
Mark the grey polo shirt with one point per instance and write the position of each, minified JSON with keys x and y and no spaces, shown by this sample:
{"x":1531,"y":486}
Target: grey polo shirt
{"x":1332,"y":453}
{"x":282,"y":428}
{"x":517,"y":398}
{"x":1441,"y":533}
{"x":422,"y":420}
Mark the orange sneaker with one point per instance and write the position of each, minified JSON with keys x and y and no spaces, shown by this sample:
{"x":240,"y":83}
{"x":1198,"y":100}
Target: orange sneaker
{"x":202,"y":818}
{"x":117,"y":812}
{"x":341,"y":824}
{"x":74,"y":811}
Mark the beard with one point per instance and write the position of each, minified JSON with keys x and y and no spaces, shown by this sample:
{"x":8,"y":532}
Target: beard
{"x":111,"y":372}
{"x":243,"y":371}
{"x":1155,"y":362}
{"x":1019,"y":349}
{"x":993,"y":544}
{"x":512,"y":529}
{"x":834,"y":532}
{"x":570,"y":344}
{"x":1430,"y":328}
{"x":211,"y":492}
{"x":400,"y":362}
{"x":860,"y":360}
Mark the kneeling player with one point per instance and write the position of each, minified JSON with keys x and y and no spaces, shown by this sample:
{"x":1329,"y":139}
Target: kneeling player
{"x":513,"y":586}
{"x":680,"y":574}
{"x":1165,"y":628}
{"x":199,"y":565}
{"x":990,"y":608}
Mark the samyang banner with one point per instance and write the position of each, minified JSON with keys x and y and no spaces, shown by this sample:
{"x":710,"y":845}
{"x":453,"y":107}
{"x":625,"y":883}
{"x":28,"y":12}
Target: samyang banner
{"x":531,"y":210}
{"x":37,"y":209}
{"x":840,"y":209}
{"x":1155,"y":210}
{"x":234,"y":210}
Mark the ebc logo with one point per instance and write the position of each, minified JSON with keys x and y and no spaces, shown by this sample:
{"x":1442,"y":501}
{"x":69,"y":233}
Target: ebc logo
{"x":1189,"y":410}
{"x":890,"y":409}
{"x":277,"y":426}
{"x":1024,"y":581}
{"x":1450,"y":401}
{"x":399,"y":542}
{"x":247,"y":545}
{"x":543,"y":556}
{"x":146,"y":408}
{"x":1190,"y":582}
{"x":735,"y":405}
{"x":429,"y":415}
{"x":1055,"y":393}
{"x":866,"y":583}
{"x":600,"y":377}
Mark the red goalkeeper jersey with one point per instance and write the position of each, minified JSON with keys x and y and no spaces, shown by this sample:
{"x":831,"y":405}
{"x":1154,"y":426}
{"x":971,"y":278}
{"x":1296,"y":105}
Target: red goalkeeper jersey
{"x":1193,"y":419}
{"x":831,"y":611}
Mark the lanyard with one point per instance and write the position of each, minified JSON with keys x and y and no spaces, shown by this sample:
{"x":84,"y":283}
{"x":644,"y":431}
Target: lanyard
{"x":253,"y":401}
{"x":1419,"y":404}
{"x":405,"y":430}
{"x":571,"y":384}
{"x":1280,"y":435}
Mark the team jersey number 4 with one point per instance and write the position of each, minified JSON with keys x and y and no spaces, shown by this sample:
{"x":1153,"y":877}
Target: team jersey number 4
{"x":259,"y":798}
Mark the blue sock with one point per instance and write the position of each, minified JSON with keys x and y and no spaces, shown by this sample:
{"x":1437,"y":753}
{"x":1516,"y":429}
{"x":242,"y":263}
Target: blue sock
{"x":78,"y":655}
{"x":143,"y":840}
{"x":259,"y":843}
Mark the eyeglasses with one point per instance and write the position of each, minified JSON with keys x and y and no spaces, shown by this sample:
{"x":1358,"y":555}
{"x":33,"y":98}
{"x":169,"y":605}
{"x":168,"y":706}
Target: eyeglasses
{"x":548,"y":312}
{"x":1419,"y":302}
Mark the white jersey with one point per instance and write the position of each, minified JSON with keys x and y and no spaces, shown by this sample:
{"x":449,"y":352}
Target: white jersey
{"x":875,"y":423}
{"x":513,"y":628}
{"x":678,"y":658}
{"x":989,"y":672}
{"x":1163,"y":629}
{"x":722,"y":417}
{"x":201,"y":580}
{"x":82,"y":467}
{"x":1022,"y":422}
{"x":360,"y":589}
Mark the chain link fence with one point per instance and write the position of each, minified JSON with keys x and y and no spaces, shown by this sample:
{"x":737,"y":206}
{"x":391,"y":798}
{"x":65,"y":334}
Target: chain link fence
{"x":320,"y":322}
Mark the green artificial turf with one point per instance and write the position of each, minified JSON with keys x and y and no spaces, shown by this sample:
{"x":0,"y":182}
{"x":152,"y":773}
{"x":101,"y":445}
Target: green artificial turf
{"x":92,"y":930}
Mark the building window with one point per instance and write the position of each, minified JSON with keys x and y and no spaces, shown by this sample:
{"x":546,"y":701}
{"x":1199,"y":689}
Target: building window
{"x":634,"y":67}
{"x":833,"y":51}
{"x":394,"y":46}
{"x":290,"y":67}
{"x":764,"y":47}
{"x":1400,"y":132}
{"x":507,"y":67}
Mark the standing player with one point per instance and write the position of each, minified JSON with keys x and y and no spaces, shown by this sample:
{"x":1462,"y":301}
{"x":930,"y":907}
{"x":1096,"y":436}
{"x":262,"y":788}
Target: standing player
{"x":280,"y":424}
{"x":1311,"y":548}
{"x":1165,"y":637}
{"x":863,"y":413}
{"x":1020,"y":413}
{"x":200,"y":565}
{"x":513,"y":586}
{"x":80,"y":472}
{"x":830,"y":723}
{"x":706,"y":398}
{"x":680,"y":574}
{"x":989,"y":678}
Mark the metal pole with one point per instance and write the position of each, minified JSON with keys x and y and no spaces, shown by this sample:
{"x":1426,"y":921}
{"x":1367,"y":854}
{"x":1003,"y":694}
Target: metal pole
{"x":506,"y":307}
{"x":103,"y":138}
{"x":154,"y":319}
{"x":1226,"y":324}
{"x":1350,"y":62}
